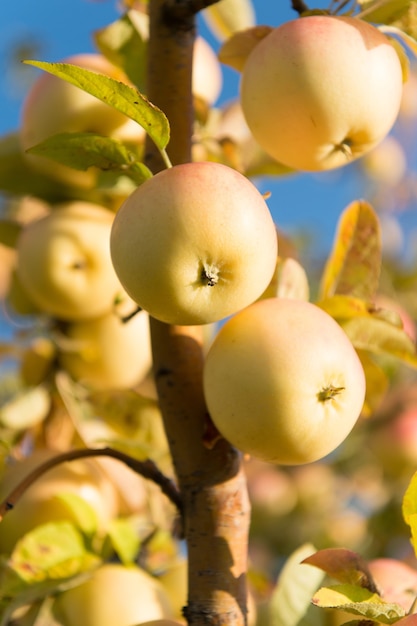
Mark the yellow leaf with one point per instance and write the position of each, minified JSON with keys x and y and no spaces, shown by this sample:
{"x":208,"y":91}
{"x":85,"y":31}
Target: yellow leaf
{"x":377,"y":384}
{"x":381,"y":337}
{"x":236,"y":50}
{"x":289,"y":281}
{"x":359,"y":601}
{"x":353,"y":266}
{"x":229,"y":16}
{"x":409,"y":509}
{"x":344,"y":307}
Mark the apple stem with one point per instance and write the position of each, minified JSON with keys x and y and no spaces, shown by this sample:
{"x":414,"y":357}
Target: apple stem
{"x":328,"y":393}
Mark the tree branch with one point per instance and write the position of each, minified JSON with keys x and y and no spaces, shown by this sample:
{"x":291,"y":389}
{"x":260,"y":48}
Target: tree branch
{"x":211,"y":478}
{"x":299,"y":6}
{"x":181,"y":10}
{"x":147,"y":469}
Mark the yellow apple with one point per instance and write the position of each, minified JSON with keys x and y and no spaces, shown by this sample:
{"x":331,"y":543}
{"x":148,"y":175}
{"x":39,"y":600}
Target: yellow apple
{"x":64,"y":264}
{"x":115,"y":594}
{"x":283,"y":382}
{"x":55,"y":106}
{"x":386,"y":164}
{"x":38,"y":505}
{"x":107,"y":352}
{"x":320,"y":91}
{"x":194,"y":244}
{"x":207,"y":76}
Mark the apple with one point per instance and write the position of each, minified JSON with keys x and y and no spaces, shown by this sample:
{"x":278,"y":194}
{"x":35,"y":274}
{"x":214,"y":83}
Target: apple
{"x":115,"y":594}
{"x":207,"y":75}
{"x":194,"y":244}
{"x":396,"y":581}
{"x":54,"y":106}
{"x":386,"y":164}
{"x":64,"y":264}
{"x":283,"y":382}
{"x":107,"y":352}
{"x":320,"y":91}
{"x":38,"y":505}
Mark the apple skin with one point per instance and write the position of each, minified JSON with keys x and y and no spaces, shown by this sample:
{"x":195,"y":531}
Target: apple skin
{"x":194,"y":244}
{"x":108,"y":353}
{"x":207,"y":77}
{"x":64,"y":264}
{"x":396,"y":580}
{"x":264,"y":374}
{"x":38,"y":504}
{"x":320,"y":91}
{"x":115,"y":594}
{"x":55,"y":106}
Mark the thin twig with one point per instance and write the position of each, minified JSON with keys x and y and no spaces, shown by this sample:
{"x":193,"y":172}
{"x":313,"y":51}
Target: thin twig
{"x":299,"y":6}
{"x":147,"y":469}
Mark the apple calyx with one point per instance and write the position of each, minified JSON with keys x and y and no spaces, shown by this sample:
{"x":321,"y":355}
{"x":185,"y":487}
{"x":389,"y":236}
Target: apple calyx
{"x":209,"y":275}
{"x":328,"y":393}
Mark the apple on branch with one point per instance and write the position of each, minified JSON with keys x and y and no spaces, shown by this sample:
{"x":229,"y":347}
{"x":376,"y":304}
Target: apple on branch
{"x":283,"y":382}
{"x":194,"y":244}
{"x":320,"y":91}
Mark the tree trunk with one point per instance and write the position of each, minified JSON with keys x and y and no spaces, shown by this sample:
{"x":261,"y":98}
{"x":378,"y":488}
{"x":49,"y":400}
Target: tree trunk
{"x":209,"y":471}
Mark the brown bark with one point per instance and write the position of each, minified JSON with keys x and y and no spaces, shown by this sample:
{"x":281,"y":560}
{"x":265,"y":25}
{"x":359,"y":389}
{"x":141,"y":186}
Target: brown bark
{"x":216,"y":508}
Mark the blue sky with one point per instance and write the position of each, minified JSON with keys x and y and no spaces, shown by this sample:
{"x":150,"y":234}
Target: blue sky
{"x":58,"y":28}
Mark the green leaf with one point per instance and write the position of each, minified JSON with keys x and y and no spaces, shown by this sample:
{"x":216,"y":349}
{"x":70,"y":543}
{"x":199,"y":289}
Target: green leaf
{"x":358,"y":601}
{"x":125,"y":540}
{"x":51,"y":551}
{"x":380,"y":337}
{"x":124,"y":43}
{"x":84,"y":150}
{"x":229,"y":16}
{"x":291,"y":598}
{"x":81,"y":511}
{"x":17,"y":176}
{"x":384,"y":12}
{"x":15,"y":593}
{"x":353,"y":266}
{"x":120,"y":96}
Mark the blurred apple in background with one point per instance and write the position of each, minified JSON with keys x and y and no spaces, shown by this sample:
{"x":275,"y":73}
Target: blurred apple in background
{"x":107,"y":352}
{"x":64,"y":264}
{"x":114,"y":595}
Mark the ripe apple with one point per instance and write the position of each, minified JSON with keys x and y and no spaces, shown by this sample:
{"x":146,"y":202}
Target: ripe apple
{"x":107,"y":352}
{"x":38,"y":505}
{"x":64,"y":264}
{"x":194,"y":244}
{"x":115,"y":594}
{"x":55,"y":106}
{"x":396,"y":581}
{"x":320,"y":91}
{"x":283,"y":382}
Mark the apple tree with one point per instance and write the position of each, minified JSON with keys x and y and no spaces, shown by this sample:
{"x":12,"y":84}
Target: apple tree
{"x":173,"y":362}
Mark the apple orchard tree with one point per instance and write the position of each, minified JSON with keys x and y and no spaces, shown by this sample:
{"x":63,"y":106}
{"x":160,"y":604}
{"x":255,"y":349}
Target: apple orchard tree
{"x":179,"y":380}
